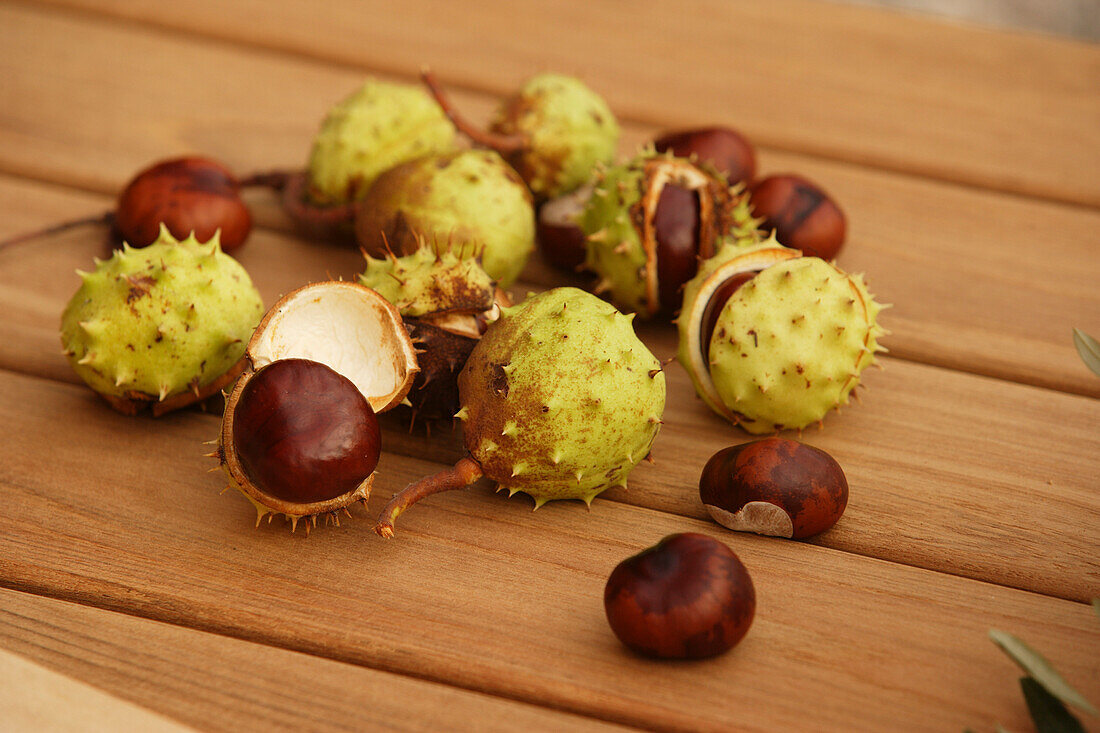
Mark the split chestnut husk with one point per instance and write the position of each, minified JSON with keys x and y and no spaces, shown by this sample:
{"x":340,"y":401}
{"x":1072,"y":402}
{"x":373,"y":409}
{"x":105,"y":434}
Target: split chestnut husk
{"x":649,"y":223}
{"x":299,"y":434}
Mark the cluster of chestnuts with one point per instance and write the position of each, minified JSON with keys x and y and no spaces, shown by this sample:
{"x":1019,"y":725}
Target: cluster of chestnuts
{"x":300,"y":436}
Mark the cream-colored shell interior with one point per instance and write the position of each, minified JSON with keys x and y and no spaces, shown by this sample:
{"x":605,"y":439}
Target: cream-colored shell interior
{"x":347,"y":327}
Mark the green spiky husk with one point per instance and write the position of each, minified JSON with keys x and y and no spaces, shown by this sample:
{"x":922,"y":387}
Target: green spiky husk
{"x":569,"y":128}
{"x":791,"y":344}
{"x":378,"y":126}
{"x":612,"y":222}
{"x":560,"y":398}
{"x":160,"y":321}
{"x":472,"y":200}
{"x":431,"y":281}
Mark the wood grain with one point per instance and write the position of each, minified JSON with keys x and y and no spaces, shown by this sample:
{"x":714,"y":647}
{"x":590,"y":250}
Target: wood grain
{"x":34,"y":698}
{"x":1011,"y":112}
{"x":479,"y":592}
{"x":942,"y":464}
{"x":217,"y":683}
{"x":961,"y":266}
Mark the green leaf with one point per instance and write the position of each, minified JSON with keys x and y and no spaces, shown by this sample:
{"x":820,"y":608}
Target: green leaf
{"x":1088,"y":348}
{"x":1048,"y":712}
{"x":1040,"y":670}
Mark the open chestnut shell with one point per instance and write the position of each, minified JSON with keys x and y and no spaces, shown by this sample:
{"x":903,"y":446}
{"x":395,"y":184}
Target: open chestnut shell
{"x":775,"y":487}
{"x":299,"y":434}
{"x":687,"y":597}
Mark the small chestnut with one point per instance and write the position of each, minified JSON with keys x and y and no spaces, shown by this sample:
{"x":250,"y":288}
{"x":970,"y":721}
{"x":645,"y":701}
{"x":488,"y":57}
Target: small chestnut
{"x":303,"y":433}
{"x":185,"y":194}
{"x":687,"y":597}
{"x":560,"y":238}
{"x":775,"y":487}
{"x":723,"y":147}
{"x":801,"y":213}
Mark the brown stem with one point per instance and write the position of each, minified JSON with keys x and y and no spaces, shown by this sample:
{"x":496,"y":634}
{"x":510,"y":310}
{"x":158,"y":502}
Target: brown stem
{"x":107,"y":218}
{"x":498,"y":142}
{"x":464,"y":473}
{"x":304,"y":212}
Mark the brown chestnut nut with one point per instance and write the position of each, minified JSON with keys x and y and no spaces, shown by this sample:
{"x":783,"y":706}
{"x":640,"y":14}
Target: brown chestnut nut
{"x":560,"y":238}
{"x":686,"y":597}
{"x":723,"y":147}
{"x":801,"y":213}
{"x":186,"y":195}
{"x":302,"y":433}
{"x":775,"y":487}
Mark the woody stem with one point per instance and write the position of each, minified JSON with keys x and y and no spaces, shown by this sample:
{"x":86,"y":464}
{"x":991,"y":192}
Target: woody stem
{"x":462,"y":474}
{"x":498,"y":142}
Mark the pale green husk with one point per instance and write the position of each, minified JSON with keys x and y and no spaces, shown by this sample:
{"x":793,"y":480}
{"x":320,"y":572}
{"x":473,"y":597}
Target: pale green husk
{"x":429,"y":281}
{"x":791,"y":344}
{"x":612,"y":221}
{"x":560,"y":398}
{"x":378,"y":126}
{"x":471,"y":198}
{"x":569,"y":127}
{"x":155,"y":322}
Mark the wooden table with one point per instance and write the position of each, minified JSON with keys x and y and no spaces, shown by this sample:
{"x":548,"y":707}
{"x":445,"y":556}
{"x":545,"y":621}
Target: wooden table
{"x":969,"y":164}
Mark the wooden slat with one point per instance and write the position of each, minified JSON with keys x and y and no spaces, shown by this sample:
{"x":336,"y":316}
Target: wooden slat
{"x":482,"y":593}
{"x":1006,"y":111}
{"x":960,"y":266}
{"x":934,"y":457}
{"x":217,"y":683}
{"x":34,"y":698}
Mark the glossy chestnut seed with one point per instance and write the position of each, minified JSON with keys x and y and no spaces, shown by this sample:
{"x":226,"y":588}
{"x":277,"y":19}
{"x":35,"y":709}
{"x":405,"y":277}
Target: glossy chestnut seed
{"x":304,"y":433}
{"x":724,"y":148}
{"x":686,"y":597}
{"x":676,"y":228}
{"x":775,"y":487}
{"x":801,"y":213}
{"x":186,"y":194}
{"x":717,"y":302}
{"x":560,"y":238}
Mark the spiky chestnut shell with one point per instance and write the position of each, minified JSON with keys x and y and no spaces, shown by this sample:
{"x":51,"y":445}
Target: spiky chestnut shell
{"x":162,"y":326}
{"x":378,"y":126}
{"x":560,"y":399}
{"x":299,"y":435}
{"x":789,"y":344}
{"x":569,"y":130}
{"x":471,"y":199}
{"x":619,"y":223}
{"x":446,"y":301}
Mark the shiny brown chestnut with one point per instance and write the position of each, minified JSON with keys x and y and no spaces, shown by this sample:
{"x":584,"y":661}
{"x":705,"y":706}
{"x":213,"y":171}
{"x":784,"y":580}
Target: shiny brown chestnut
{"x":723,"y":147}
{"x":304,"y":433}
{"x":560,"y":238}
{"x":801,"y":213}
{"x":187,"y":195}
{"x":775,"y":487}
{"x":687,"y":597}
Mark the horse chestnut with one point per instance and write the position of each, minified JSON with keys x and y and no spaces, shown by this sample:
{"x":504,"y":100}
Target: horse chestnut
{"x":686,"y":597}
{"x":560,"y":237}
{"x":774,"y":487}
{"x":723,"y":147}
{"x":304,"y":433}
{"x":801,"y":213}
{"x":186,"y":195}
